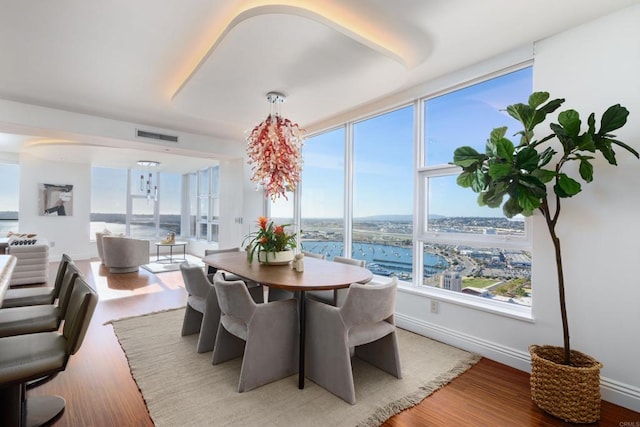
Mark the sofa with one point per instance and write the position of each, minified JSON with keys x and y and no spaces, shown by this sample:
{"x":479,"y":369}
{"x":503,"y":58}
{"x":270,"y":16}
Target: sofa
{"x":124,"y":254}
{"x":32,"y":260}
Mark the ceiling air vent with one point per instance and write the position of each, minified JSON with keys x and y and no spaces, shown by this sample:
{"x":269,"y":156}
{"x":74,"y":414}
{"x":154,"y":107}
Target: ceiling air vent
{"x":154,"y":135}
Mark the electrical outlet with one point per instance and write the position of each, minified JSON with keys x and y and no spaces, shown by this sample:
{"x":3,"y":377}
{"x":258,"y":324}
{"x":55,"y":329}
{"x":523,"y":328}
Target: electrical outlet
{"x":434,"y":306}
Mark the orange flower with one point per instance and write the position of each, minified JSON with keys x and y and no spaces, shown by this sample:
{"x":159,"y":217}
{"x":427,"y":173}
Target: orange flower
{"x":269,"y":238}
{"x":262,"y":222}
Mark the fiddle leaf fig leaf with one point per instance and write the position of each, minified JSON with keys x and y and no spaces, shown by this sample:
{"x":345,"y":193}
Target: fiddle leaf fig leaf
{"x":533,"y":185}
{"x":604,"y":145}
{"x":494,"y":196}
{"x":587,"y":143}
{"x":586,"y":170}
{"x":565,"y":139}
{"x":527,"y":200}
{"x":536,"y":99}
{"x":521,"y":112}
{"x":544,"y":175}
{"x":570,"y":121}
{"x":465,"y":179}
{"x":546,"y":156}
{"x":466,"y":156}
{"x":511,"y":207}
{"x":499,"y":170}
{"x":566,"y":186}
{"x":527,"y":158}
{"x":496,"y":135}
{"x":479,"y":182}
{"x":551,"y":106}
{"x":591,"y":121}
{"x":614,"y":118}
{"x":504,"y":149}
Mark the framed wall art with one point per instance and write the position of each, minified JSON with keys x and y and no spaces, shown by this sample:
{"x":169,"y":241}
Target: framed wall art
{"x":56,"y":200}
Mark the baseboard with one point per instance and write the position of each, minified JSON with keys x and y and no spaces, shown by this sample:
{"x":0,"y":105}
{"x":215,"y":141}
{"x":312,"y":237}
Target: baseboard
{"x":616,"y":392}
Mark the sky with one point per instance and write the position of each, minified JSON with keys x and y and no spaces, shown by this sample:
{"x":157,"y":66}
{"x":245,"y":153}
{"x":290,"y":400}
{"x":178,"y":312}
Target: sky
{"x":10,"y":186}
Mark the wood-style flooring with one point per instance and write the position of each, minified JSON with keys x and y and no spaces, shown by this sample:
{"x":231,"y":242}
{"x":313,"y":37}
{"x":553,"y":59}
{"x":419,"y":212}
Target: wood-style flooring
{"x":100,"y":391}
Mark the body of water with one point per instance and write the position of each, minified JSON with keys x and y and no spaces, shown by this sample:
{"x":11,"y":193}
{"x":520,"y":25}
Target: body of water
{"x":383,"y":260}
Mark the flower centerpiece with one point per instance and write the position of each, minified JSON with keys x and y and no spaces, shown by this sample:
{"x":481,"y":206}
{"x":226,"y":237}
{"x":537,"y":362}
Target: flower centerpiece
{"x":271,"y":243}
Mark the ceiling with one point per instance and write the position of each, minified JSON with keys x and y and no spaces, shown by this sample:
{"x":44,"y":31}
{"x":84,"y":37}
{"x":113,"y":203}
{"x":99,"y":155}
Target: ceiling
{"x":205,"y":66}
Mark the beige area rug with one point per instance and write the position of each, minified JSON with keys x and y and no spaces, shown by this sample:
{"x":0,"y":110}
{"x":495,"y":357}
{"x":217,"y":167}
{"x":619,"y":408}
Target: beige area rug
{"x":182,"y":387}
{"x":174,"y":265}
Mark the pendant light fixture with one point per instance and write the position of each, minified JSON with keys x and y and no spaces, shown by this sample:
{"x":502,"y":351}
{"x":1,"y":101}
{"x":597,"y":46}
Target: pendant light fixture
{"x":275,"y":151}
{"x":146,"y":186}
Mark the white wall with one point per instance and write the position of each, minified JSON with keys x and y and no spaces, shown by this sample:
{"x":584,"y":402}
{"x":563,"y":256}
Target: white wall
{"x":592,"y":66}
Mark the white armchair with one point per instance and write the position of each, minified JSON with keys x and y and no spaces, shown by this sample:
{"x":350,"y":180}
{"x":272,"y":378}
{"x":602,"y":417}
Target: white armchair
{"x":124,"y":254}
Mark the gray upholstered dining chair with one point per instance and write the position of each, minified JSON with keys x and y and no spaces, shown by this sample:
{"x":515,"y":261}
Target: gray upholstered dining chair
{"x":265,"y":335}
{"x":39,"y":318}
{"x":202,"y":312}
{"x":211,"y":270}
{"x":24,"y":358}
{"x":337,"y":296}
{"x":365,"y":323}
{"x":314,"y":255}
{"x":41,"y":295}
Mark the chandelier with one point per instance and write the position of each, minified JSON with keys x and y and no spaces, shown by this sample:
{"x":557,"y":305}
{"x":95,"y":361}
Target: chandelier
{"x":146,"y":186}
{"x":274,"y":150}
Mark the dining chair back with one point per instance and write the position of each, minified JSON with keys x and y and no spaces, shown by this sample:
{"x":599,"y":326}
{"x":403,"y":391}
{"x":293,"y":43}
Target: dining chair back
{"x":314,"y":255}
{"x":42,"y":295}
{"x":336,"y":297}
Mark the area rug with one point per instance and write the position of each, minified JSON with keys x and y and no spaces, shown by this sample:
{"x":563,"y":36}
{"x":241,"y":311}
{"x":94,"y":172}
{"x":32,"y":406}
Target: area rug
{"x":182,"y":387}
{"x":161,"y":267}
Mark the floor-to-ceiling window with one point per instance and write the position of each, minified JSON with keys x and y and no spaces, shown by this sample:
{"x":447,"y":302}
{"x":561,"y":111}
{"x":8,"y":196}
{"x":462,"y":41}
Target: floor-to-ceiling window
{"x":383,"y":182}
{"x":208,"y":204}
{"x":108,"y":200}
{"x":9,"y":198}
{"x":139,"y":203}
{"x":368,"y":170}
{"x":467,"y":248}
{"x":322,"y":203}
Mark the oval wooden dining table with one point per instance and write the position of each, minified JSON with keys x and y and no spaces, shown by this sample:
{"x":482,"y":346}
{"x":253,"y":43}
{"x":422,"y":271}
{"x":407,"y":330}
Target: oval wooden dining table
{"x":318,"y":274}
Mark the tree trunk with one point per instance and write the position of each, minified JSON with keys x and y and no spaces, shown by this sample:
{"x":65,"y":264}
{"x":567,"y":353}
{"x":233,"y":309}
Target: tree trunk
{"x":563,"y":306}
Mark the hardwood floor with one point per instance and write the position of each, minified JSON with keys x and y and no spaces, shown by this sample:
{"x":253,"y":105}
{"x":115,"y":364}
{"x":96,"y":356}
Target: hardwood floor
{"x":100,"y":391}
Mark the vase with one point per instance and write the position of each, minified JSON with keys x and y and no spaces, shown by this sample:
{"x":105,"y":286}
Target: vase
{"x":275,"y":258}
{"x":569,"y":392}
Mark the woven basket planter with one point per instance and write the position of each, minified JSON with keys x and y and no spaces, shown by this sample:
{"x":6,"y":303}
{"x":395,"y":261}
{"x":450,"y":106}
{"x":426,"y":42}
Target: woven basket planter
{"x":571,"y":393}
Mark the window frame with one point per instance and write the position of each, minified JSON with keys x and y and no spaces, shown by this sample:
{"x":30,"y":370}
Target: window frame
{"x":421,"y":235}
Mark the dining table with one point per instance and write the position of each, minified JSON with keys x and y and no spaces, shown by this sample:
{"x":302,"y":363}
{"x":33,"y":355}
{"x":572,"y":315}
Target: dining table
{"x":318,"y":274}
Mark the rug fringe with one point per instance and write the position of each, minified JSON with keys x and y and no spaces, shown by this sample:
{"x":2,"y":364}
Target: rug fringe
{"x":382,"y":414}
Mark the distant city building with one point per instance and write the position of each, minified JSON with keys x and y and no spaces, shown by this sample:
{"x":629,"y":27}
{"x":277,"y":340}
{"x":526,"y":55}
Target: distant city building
{"x":451,"y":281}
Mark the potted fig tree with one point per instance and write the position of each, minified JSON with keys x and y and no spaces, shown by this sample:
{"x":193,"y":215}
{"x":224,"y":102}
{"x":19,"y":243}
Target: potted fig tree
{"x":527,"y":177}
